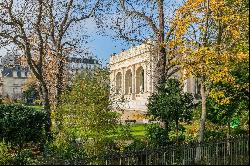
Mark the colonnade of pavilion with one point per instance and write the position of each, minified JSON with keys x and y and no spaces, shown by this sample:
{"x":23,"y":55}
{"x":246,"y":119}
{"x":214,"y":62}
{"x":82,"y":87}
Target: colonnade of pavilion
{"x":130,"y":81}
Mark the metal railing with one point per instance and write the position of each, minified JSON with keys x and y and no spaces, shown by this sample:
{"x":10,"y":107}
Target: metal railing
{"x":233,"y":151}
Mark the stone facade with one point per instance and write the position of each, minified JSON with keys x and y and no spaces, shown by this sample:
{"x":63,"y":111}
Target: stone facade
{"x":132,"y":78}
{"x":13,"y":74}
{"x":12,"y":80}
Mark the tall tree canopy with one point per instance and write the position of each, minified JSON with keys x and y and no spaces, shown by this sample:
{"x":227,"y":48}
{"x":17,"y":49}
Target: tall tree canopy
{"x":42,"y":32}
{"x":138,"y":21}
{"x":210,"y":37}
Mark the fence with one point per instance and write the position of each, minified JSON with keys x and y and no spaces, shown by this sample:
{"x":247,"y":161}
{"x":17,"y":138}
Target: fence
{"x":233,"y":151}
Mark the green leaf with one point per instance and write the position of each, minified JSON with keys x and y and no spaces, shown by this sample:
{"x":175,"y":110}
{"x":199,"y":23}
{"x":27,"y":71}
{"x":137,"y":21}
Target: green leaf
{"x":235,"y":122}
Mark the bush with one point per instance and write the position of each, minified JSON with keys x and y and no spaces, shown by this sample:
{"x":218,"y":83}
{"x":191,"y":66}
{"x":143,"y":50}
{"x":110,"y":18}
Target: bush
{"x":20,"y":124}
{"x":5,"y":157}
{"x":170,"y":105}
{"x":24,"y":157}
{"x":157,"y":135}
{"x":181,"y":137}
{"x":38,"y":102}
{"x":85,"y":113}
{"x":63,"y":152}
{"x":136,"y":145}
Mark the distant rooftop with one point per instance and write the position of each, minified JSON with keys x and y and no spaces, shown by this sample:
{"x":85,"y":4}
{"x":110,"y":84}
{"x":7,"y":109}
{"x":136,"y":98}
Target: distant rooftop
{"x":89,"y":60}
{"x":8,"y":71}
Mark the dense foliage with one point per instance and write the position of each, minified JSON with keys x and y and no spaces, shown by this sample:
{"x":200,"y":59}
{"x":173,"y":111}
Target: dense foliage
{"x":156,"y":135}
{"x":30,"y":95}
{"x":171,"y":105}
{"x":207,"y":39}
{"x":85,"y":112}
{"x":211,"y":37}
{"x":21,"y":124}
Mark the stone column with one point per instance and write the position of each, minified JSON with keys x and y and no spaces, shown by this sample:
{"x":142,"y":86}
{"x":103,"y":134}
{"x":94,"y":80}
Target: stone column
{"x":151,"y":77}
{"x":145,"y":78}
{"x":191,"y":88}
{"x":133,"y":82}
{"x":1,"y":75}
{"x":185,"y":88}
{"x":123,"y":80}
{"x":112,"y":82}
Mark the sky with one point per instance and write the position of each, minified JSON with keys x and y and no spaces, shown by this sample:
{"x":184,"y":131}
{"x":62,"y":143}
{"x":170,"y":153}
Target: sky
{"x":101,"y":46}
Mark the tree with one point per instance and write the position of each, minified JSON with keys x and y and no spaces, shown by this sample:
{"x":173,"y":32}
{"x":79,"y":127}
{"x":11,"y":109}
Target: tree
{"x":234,"y":99}
{"x":171,"y":105}
{"x":206,"y":38}
{"x":138,"y":21}
{"x":41,"y":30}
{"x":85,"y":111}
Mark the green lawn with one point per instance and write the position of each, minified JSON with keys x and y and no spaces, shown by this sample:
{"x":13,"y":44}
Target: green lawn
{"x":37,"y":107}
{"x":138,"y":130}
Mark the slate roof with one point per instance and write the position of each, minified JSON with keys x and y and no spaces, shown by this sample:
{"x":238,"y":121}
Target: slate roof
{"x":83,"y":60}
{"x":8,"y":71}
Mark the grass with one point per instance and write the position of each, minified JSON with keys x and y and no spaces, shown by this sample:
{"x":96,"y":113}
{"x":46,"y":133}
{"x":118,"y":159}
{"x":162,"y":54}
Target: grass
{"x":36,"y":107}
{"x":138,"y":130}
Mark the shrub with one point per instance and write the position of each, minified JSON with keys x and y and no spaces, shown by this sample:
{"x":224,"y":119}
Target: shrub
{"x":5,"y":157}
{"x":181,"y":137}
{"x":157,"y":135}
{"x":24,"y":157}
{"x":30,"y":94}
{"x":85,"y":111}
{"x":38,"y":102}
{"x":20,"y":124}
{"x":136,"y":145}
{"x":63,"y":152}
{"x":8,"y":156}
{"x":170,"y":105}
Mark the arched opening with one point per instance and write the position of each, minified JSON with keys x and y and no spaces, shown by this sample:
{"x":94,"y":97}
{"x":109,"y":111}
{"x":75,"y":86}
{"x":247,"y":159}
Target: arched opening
{"x":118,"y":84}
{"x":139,"y":80}
{"x":128,"y":82}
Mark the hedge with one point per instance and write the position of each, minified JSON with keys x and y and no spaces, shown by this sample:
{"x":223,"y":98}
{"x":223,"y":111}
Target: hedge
{"x":21,"y":124}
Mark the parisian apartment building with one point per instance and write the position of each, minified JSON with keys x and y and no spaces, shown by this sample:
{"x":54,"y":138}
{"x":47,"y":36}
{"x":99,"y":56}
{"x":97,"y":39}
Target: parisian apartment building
{"x":13,"y":75}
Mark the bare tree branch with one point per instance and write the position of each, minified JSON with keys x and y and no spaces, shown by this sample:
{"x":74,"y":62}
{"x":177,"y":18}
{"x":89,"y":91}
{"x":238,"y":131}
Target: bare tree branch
{"x":141,"y":15}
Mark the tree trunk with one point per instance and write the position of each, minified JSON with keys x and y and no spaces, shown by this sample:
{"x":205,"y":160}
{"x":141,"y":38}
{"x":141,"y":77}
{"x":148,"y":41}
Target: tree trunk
{"x":203,"y":93}
{"x":161,"y":66}
{"x":161,"y":47}
{"x":177,"y":131}
{"x":47,"y":109}
{"x":202,"y":120}
{"x":203,"y":113}
{"x":164,"y":124}
{"x":59,"y":86}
